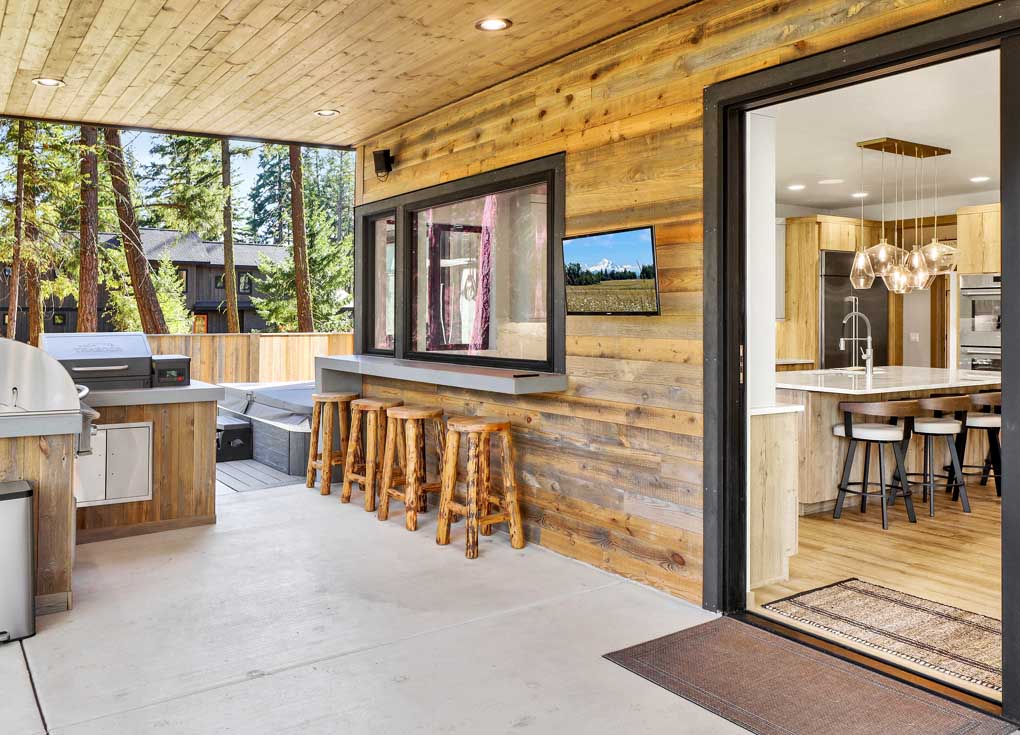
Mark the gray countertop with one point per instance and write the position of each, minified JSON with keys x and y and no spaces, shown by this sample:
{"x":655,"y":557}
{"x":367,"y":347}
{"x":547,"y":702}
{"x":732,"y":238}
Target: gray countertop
{"x":343,"y":372}
{"x":194,"y":393}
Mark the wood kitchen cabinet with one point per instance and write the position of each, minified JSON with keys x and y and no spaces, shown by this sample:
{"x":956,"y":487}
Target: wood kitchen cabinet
{"x":806,"y":238}
{"x":979,"y":239}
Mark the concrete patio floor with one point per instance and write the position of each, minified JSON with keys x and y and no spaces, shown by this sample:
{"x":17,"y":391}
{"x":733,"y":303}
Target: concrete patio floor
{"x":295,"y":614}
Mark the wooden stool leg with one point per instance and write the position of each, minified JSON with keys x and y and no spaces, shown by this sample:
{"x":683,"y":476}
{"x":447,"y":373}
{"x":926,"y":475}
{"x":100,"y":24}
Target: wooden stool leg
{"x":353,"y":444}
{"x":513,"y":507}
{"x":412,"y":479}
{"x":313,"y":445}
{"x":392,"y":433}
{"x":449,"y":482}
{"x":472,"y":496}
{"x":485,"y":485}
{"x":423,"y":497}
{"x":344,"y":410}
{"x":327,"y":448}
{"x":371,"y":452}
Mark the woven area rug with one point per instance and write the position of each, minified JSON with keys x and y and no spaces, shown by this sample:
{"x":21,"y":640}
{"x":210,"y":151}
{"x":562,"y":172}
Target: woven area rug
{"x":774,"y":686}
{"x":956,"y":642}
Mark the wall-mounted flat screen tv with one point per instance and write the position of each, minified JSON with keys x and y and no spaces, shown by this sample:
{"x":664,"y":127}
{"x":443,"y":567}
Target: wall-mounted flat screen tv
{"x":611,"y":272}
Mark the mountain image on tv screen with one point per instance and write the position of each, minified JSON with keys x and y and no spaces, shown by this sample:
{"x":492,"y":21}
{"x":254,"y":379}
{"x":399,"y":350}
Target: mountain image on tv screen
{"x":611,"y":273}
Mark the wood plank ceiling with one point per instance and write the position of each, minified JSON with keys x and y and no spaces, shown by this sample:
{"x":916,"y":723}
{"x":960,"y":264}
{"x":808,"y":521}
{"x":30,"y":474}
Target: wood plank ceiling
{"x":260,"y":68}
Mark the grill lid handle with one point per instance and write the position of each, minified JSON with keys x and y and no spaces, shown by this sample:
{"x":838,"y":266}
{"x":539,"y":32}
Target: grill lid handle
{"x":99,"y":368}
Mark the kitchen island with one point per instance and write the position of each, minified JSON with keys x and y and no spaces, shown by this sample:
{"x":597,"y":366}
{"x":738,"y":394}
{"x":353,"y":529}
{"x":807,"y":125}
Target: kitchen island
{"x":821,"y":454}
{"x":178,"y":427}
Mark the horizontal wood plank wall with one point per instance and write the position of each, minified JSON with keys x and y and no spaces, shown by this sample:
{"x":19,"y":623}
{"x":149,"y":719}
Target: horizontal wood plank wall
{"x":47,"y":463}
{"x":612,"y":469}
{"x":252,"y":358}
{"x":183,"y":473}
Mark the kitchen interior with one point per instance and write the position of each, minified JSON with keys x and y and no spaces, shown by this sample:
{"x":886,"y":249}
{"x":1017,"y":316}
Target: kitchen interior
{"x":874,"y":513}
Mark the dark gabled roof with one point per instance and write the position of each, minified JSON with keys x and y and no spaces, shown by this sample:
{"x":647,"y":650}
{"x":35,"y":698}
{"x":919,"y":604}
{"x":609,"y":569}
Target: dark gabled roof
{"x":190,"y":248}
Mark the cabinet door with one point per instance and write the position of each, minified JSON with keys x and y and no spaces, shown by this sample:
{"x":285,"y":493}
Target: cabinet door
{"x":970,"y":242}
{"x":128,"y":474}
{"x":92,"y":472}
{"x":991,"y":227}
{"x":837,"y":236}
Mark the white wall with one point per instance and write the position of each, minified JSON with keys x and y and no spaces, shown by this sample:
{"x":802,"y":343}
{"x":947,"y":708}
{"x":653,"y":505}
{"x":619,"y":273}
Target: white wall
{"x":760,"y":360}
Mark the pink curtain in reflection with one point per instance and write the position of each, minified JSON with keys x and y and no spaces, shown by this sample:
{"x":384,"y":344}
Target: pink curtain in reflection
{"x":483,"y":304}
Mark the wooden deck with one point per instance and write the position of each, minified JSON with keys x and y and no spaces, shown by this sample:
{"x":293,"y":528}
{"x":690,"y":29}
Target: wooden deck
{"x":245,"y":475}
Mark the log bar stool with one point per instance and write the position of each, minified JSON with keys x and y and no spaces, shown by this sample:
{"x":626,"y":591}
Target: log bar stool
{"x":891,"y":434}
{"x":949,"y":427}
{"x":363,"y":455}
{"x":479,"y":492}
{"x":987,"y":418}
{"x":405,"y":445}
{"x":323,"y":406}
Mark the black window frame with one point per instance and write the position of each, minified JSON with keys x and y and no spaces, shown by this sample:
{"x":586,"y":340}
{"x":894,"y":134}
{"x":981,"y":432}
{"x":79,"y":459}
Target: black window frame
{"x":369,"y":286}
{"x":549,"y":170}
{"x":219,"y":281}
{"x":242,"y":277}
{"x":183,"y":274}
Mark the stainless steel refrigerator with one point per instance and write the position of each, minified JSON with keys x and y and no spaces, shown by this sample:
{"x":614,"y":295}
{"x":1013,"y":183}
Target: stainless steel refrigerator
{"x":873,"y":302}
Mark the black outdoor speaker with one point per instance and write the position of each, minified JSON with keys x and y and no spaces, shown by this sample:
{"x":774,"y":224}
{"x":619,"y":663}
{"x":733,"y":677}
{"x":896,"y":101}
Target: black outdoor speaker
{"x":383,"y":161}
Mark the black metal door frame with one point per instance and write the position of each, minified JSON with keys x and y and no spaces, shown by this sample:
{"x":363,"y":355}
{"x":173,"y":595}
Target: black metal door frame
{"x":972,"y":31}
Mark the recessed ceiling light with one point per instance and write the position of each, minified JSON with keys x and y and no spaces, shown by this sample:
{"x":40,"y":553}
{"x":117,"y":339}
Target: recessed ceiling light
{"x":859,"y":194}
{"x":980,"y":179}
{"x":493,"y":24}
{"x":327,"y":113}
{"x":48,"y":82}
{"x":796,"y":187}
{"x":830,"y":182}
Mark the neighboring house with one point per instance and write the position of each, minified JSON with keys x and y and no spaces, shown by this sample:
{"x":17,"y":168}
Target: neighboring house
{"x":200,"y":263}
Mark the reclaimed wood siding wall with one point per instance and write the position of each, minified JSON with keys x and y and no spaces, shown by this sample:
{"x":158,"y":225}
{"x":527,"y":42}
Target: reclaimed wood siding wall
{"x":252,"y":358}
{"x":612,"y":469}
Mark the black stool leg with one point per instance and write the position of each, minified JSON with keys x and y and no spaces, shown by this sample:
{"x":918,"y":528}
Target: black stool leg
{"x":848,"y":464}
{"x":908,"y":501}
{"x":996,"y":454}
{"x":960,"y":490}
{"x":867,"y":476}
{"x":925,"y":469}
{"x":929,"y":474}
{"x":881,"y":484}
{"x":961,"y":452}
{"x":986,"y":469}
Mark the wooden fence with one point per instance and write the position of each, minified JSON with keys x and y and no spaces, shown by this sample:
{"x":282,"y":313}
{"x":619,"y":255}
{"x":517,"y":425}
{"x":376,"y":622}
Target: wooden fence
{"x":252,"y":358}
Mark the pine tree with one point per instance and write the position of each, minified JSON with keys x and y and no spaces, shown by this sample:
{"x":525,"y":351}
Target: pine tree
{"x":88,"y":233}
{"x":230,"y":279}
{"x":182,"y":190}
{"x":270,"y":221}
{"x":299,"y":251}
{"x":331,"y":269}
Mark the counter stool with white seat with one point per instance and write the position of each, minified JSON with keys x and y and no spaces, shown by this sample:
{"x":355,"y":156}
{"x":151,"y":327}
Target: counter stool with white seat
{"x":890,"y":434}
{"x":986,"y":417}
{"x":931,"y":427}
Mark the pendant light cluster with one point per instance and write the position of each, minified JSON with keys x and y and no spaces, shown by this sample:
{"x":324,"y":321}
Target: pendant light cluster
{"x":903,"y":270}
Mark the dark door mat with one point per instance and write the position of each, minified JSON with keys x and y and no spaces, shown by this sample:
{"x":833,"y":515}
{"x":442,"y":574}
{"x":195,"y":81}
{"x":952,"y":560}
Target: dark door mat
{"x":773,"y":686}
{"x":962,"y":644}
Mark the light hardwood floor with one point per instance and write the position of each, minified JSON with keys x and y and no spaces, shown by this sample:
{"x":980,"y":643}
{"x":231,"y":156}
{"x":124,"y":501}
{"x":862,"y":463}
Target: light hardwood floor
{"x":953,"y":558}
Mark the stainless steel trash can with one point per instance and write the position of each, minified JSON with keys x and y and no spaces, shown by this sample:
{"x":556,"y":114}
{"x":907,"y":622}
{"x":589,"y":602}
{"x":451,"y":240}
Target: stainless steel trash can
{"x":17,"y":573}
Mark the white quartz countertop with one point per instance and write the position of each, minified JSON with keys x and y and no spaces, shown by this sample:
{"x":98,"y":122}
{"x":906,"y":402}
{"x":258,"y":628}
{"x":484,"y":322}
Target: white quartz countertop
{"x":793,"y":361}
{"x":886,"y":379}
{"x":194,"y":393}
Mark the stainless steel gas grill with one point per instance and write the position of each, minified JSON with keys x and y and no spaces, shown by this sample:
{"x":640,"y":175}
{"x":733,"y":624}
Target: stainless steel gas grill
{"x":107,"y":360}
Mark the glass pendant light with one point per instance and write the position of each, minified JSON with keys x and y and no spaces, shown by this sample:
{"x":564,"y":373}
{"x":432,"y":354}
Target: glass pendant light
{"x":862,"y":275}
{"x":883,"y":255}
{"x":895,"y":274}
{"x":917,"y":265}
{"x":942,"y":258}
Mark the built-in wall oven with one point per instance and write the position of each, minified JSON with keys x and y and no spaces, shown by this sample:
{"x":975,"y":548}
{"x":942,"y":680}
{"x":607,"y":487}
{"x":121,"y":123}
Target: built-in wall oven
{"x":981,"y":322}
